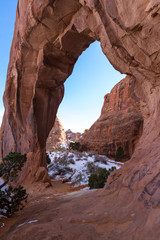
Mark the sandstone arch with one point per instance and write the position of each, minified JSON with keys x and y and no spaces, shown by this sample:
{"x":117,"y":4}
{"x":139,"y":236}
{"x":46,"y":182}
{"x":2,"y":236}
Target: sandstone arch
{"x":49,"y":37}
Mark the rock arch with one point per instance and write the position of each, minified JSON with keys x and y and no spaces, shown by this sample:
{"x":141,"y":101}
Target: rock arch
{"x":49,"y":37}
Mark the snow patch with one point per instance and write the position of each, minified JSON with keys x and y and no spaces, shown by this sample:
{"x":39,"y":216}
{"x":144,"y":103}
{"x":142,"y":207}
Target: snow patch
{"x":2,"y":225}
{"x":32,"y":221}
{"x":76,"y":167}
{"x":3,"y":188}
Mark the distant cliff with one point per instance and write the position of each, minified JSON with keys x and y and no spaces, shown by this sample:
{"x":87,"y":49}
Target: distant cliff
{"x":120,"y":123}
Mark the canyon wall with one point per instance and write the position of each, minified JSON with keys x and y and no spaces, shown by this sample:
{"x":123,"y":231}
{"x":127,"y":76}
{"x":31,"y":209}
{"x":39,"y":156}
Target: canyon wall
{"x":120,"y":123}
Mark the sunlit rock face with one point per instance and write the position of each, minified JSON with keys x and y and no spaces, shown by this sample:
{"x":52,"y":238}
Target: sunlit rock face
{"x":48,"y":39}
{"x":120,"y":123}
{"x":57,"y":135}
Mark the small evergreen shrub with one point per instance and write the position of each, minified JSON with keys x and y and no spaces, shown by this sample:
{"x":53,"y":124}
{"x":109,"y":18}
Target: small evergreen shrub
{"x":57,"y":149}
{"x":78,"y":179}
{"x":11,"y":198}
{"x":71,"y":161}
{"x":74,"y":145}
{"x":63,"y":161}
{"x":99,"y":158}
{"x":63,"y":171}
{"x":97,"y":180}
{"x":92,"y":168}
{"x":119,"y":154}
{"x":48,"y":159}
{"x":71,"y":156}
{"x":91,"y":154}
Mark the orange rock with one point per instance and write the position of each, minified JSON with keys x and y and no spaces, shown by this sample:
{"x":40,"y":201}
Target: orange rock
{"x":120,"y":123}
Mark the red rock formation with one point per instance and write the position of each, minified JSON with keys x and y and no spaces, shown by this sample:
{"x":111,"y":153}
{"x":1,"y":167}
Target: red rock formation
{"x":73,"y":136}
{"x":49,"y":37}
{"x":120,"y":123}
{"x":56,"y":136}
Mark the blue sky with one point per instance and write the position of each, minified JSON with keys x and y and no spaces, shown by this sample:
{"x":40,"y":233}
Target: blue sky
{"x":92,"y":77}
{"x":7,"y":19}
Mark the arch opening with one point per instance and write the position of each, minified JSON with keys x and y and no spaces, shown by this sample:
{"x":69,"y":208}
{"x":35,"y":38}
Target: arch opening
{"x":92,"y":78}
{"x":113,"y":122}
{"x":44,"y":51}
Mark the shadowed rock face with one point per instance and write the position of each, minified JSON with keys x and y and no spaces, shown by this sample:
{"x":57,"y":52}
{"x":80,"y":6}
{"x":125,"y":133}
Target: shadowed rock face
{"x":120,"y":123}
{"x":49,"y":37}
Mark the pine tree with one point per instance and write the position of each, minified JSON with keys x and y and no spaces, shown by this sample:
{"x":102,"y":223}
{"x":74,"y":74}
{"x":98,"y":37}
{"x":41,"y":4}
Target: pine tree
{"x":11,"y":198}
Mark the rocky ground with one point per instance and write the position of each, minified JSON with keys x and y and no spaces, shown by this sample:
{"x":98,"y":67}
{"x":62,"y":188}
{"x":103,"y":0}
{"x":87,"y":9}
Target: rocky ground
{"x":51,"y":214}
{"x":66,"y":166}
{"x":64,"y":212}
{"x":37,"y":193}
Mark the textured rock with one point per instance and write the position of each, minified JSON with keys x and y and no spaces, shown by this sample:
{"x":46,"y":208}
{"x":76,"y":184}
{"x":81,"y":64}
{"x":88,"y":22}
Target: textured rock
{"x":8,"y":141}
{"x":120,"y":123}
{"x":49,"y":37}
{"x":56,"y":136}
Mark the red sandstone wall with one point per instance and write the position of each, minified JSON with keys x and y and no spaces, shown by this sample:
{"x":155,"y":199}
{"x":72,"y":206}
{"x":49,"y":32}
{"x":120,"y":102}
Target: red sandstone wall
{"x":120,"y":123}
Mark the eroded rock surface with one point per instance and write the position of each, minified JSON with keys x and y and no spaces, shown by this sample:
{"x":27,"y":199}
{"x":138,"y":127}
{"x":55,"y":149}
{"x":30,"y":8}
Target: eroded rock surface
{"x":56,"y":136}
{"x":48,"y":39}
{"x":120,"y":123}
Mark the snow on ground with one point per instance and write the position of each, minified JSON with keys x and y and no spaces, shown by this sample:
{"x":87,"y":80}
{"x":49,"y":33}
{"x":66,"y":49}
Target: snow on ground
{"x":32,"y":221}
{"x":1,"y":182}
{"x":76,"y":167}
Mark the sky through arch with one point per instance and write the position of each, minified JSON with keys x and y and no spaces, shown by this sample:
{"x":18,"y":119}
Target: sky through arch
{"x":92,"y":78}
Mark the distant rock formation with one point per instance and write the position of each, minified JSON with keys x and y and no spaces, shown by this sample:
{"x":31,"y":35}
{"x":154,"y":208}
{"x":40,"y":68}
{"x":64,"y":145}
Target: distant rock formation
{"x":57,"y":135}
{"x":73,"y":136}
{"x":120,"y":123}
